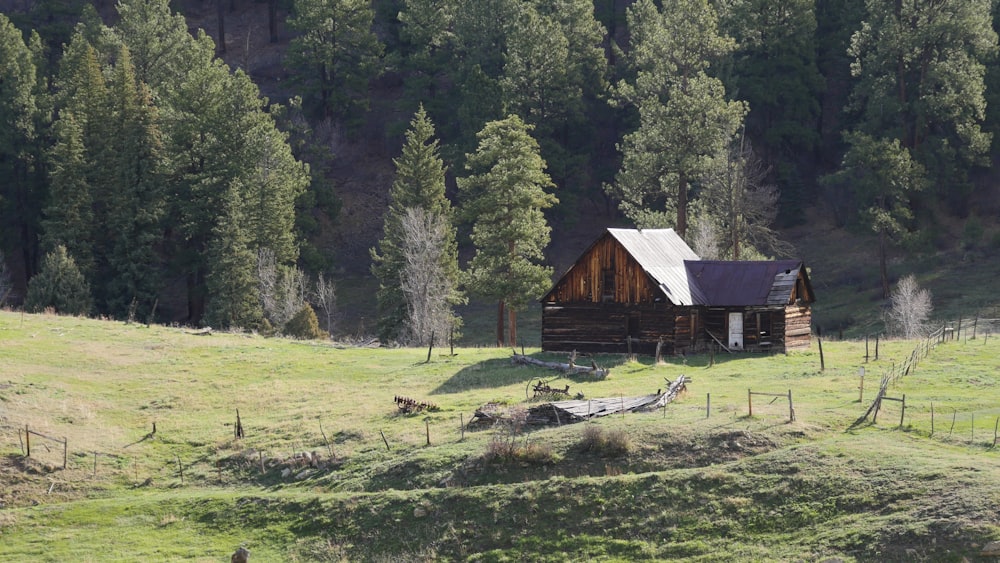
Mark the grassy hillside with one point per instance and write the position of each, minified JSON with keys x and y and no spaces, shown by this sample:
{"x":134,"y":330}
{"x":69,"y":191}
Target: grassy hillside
{"x":670,"y":484}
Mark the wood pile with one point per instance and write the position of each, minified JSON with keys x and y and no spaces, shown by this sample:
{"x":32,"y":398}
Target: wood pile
{"x":408,"y":405}
{"x":488,"y":415}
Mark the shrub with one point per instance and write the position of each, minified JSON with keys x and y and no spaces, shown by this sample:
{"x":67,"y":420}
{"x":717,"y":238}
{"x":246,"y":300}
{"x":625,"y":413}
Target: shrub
{"x":59,"y":285}
{"x":304,"y":325}
{"x":613,"y":443}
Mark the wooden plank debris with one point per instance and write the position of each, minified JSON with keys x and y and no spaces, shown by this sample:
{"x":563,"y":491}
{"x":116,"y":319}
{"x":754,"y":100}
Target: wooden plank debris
{"x":568,"y":412}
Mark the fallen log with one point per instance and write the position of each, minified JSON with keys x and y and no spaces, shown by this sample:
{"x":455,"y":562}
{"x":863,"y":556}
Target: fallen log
{"x":569,"y":368}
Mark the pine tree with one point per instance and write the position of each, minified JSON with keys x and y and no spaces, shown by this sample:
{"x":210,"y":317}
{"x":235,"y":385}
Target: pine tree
{"x":135,"y":198}
{"x":336,"y":53}
{"x":59,"y":285}
{"x":419,"y":184}
{"x":505,"y":198}
{"x":69,"y":216}
{"x":232,"y":286}
{"x":20,"y":193}
{"x":920,"y":80}
{"x":685,"y":121}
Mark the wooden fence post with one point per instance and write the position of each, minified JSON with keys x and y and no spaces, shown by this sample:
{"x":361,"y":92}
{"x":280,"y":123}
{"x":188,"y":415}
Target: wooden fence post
{"x":427,"y":427}
{"x":822,"y":363}
{"x":461,"y":424}
{"x":791,"y":409}
{"x":384,"y":440}
{"x":996,"y":427}
{"x":749,"y":402}
{"x":903,"y":412}
{"x":954,"y":413}
{"x":27,"y":439}
{"x":708,"y":405}
{"x":876,"y":346}
{"x":95,"y":465}
{"x":65,"y":450}
{"x":180,"y":468}
{"x":861,"y":393}
{"x":866,"y":348}
{"x":431,"y":347}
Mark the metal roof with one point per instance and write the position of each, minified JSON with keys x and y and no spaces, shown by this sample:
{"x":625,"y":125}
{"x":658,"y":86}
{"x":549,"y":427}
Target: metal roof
{"x":662,"y":254}
{"x":742,"y":283}
{"x":687,"y":280}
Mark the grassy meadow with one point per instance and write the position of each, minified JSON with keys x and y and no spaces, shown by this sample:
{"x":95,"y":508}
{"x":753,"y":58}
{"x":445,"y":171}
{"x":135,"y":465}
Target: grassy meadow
{"x":692,"y":481}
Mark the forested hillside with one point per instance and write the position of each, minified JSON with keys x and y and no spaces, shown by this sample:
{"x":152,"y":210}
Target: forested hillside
{"x":220,"y":162}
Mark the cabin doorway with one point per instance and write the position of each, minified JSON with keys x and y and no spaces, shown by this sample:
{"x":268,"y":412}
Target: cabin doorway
{"x":735,"y":331}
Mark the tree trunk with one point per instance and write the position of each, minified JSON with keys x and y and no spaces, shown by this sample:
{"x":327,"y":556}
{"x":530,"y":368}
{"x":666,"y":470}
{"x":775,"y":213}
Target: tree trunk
{"x":512,"y":327}
{"x":272,"y":20}
{"x":883,"y":269}
{"x":682,"y":202}
{"x":222,"y":25}
{"x":500,"y":323}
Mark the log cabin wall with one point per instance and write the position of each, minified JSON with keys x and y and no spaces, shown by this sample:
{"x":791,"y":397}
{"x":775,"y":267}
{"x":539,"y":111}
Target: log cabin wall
{"x":605,"y":273}
{"x":798,"y":326}
{"x":605,"y":327}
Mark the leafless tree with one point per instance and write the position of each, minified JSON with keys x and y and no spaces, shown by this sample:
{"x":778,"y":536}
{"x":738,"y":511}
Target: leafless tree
{"x":324,"y":295}
{"x":743,"y":204}
{"x":283,"y":289}
{"x":910,"y":308}
{"x":425,"y":283}
{"x":705,"y":239}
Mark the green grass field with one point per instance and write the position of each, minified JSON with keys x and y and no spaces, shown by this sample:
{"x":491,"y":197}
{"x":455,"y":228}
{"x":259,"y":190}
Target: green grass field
{"x":687,"y":482}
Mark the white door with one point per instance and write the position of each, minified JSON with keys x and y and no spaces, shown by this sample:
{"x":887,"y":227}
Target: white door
{"x":735,"y":331}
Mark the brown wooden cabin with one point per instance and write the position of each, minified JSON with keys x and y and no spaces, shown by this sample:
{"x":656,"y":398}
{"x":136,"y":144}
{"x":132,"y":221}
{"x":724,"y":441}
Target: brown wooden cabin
{"x":648,"y":286}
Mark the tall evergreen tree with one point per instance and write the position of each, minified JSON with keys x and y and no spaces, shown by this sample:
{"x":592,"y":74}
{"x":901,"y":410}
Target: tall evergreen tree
{"x":232,"y":285}
{"x":69,"y":215}
{"x":419,"y":184}
{"x":336,"y":53}
{"x":20,"y":193}
{"x":136,"y":199}
{"x":685,"y":121}
{"x":505,"y":198}
{"x":775,"y":71}
{"x":920,"y":73}
{"x":884,"y":177}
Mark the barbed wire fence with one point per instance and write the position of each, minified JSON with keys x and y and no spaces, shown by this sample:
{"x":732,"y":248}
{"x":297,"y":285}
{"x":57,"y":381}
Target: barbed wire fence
{"x":964,"y":426}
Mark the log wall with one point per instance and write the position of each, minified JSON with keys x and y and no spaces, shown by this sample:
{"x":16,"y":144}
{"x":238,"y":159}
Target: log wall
{"x":586,"y":280}
{"x":604,"y":327}
{"x":798,"y":326}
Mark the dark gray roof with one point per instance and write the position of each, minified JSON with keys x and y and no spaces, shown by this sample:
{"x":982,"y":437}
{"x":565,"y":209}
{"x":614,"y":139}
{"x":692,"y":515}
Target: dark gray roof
{"x":732,"y":283}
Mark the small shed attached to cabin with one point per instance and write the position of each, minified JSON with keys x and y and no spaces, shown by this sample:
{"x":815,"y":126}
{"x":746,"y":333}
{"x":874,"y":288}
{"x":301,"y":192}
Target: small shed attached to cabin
{"x":632,"y":289}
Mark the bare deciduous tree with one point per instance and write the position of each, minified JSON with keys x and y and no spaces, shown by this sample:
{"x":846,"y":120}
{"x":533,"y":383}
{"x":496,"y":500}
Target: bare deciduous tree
{"x":910,"y":308}
{"x":325,"y":297}
{"x":705,"y":239}
{"x":283,"y":289}
{"x":738,"y":198}
{"x":424,"y":281}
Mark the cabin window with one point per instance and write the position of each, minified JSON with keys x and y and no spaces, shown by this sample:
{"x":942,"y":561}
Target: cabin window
{"x":608,"y":285}
{"x":764,"y":327}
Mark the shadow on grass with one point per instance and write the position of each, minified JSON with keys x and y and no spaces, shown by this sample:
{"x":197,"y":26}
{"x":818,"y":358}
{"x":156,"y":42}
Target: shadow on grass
{"x":501,"y":372}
